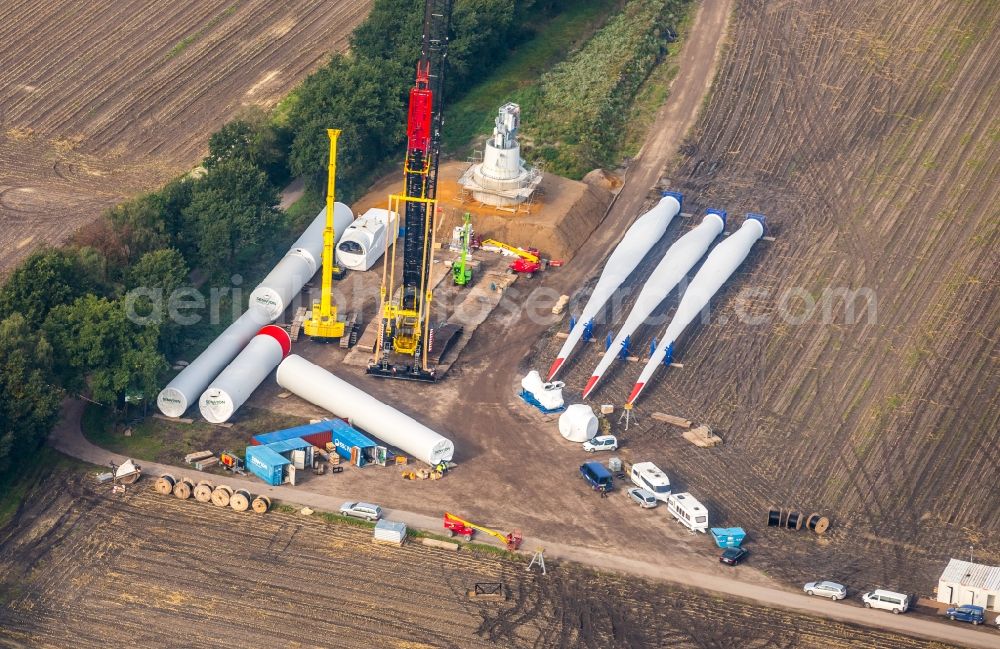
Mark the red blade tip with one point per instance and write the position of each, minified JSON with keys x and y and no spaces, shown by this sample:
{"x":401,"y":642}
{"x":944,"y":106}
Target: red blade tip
{"x":556,"y":364}
{"x":635,"y":392}
{"x":590,"y":385}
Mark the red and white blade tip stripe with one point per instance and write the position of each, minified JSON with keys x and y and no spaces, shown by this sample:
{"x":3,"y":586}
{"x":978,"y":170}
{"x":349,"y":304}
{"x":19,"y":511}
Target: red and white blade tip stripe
{"x":556,"y":364}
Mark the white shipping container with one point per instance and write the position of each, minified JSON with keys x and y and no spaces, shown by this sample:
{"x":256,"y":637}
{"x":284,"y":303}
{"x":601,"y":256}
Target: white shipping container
{"x":390,"y":531}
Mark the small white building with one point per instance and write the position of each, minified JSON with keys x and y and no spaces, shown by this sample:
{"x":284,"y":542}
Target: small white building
{"x":963,"y":582}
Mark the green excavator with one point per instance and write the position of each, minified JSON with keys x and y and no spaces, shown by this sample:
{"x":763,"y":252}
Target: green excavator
{"x":459,"y":270}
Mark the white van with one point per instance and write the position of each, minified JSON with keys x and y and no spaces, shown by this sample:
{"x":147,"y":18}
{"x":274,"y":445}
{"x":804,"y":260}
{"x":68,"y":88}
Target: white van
{"x":648,"y":476}
{"x":887,"y":600}
{"x":688,"y":511}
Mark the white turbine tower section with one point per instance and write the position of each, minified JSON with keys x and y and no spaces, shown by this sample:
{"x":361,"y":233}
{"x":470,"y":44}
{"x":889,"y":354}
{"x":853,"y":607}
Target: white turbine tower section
{"x":233,"y":387}
{"x":638,"y":240}
{"x":320,"y":387}
{"x":677,"y":261}
{"x":267,"y":302}
{"x":721,"y":263}
{"x":173,"y":400}
{"x":299,"y":264}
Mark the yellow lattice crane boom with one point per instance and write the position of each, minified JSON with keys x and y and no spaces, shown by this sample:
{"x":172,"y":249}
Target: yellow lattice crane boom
{"x":322,"y":323}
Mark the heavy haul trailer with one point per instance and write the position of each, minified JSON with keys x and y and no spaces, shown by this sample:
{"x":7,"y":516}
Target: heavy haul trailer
{"x":404,"y":329}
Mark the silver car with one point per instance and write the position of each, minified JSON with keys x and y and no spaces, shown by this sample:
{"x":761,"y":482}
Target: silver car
{"x":643,"y":498}
{"x":366,"y":511}
{"x":830,"y":589}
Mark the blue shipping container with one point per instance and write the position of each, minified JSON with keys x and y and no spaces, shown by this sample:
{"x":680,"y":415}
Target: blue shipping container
{"x":266,"y":464}
{"x":286,"y":446}
{"x":306,"y":431}
{"x":345,"y":438}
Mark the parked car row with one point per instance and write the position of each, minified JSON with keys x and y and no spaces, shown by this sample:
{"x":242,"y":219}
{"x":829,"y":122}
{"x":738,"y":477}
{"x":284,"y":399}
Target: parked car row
{"x":652,"y":486}
{"x":895,"y":602}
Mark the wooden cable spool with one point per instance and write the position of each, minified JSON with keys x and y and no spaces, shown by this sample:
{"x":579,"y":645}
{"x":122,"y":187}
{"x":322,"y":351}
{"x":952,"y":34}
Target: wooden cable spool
{"x":165,"y":484}
{"x":240,"y":500}
{"x":794,"y":521}
{"x":261,"y":504}
{"x":184,"y":488}
{"x":221,"y":495}
{"x":774,"y":517}
{"x":817,"y":523}
{"x":203,"y":491}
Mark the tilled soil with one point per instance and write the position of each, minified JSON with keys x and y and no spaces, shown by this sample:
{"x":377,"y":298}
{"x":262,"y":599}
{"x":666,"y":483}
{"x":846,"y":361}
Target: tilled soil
{"x":100,"y":101}
{"x":84,"y":568}
{"x":868,"y":135}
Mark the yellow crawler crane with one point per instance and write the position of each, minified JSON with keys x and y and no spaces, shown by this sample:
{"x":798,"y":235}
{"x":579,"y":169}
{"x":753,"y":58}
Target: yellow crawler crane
{"x":323,"y":324}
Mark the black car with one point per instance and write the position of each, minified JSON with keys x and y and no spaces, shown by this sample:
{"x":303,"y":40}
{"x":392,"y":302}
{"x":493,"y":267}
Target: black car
{"x":733,"y":556}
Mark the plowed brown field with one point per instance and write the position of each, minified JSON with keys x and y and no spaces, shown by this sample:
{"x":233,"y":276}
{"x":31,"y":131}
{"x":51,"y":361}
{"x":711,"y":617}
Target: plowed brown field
{"x":869,"y":135}
{"x":83,"y":568}
{"x":100,"y":100}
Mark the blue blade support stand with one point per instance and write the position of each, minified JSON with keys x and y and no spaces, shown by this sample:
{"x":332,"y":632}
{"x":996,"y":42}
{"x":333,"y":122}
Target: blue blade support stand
{"x":669,"y":357}
{"x":623,"y":353}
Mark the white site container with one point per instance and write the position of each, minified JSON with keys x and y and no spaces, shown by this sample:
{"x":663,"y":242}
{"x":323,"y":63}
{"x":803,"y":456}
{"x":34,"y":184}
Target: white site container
{"x":578,"y":423}
{"x":318,"y":386}
{"x":390,"y":531}
{"x":365,"y":240}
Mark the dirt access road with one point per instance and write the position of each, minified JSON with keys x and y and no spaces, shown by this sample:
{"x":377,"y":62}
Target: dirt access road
{"x":81,"y":568}
{"x":69,"y":439}
{"x":103,"y":100}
